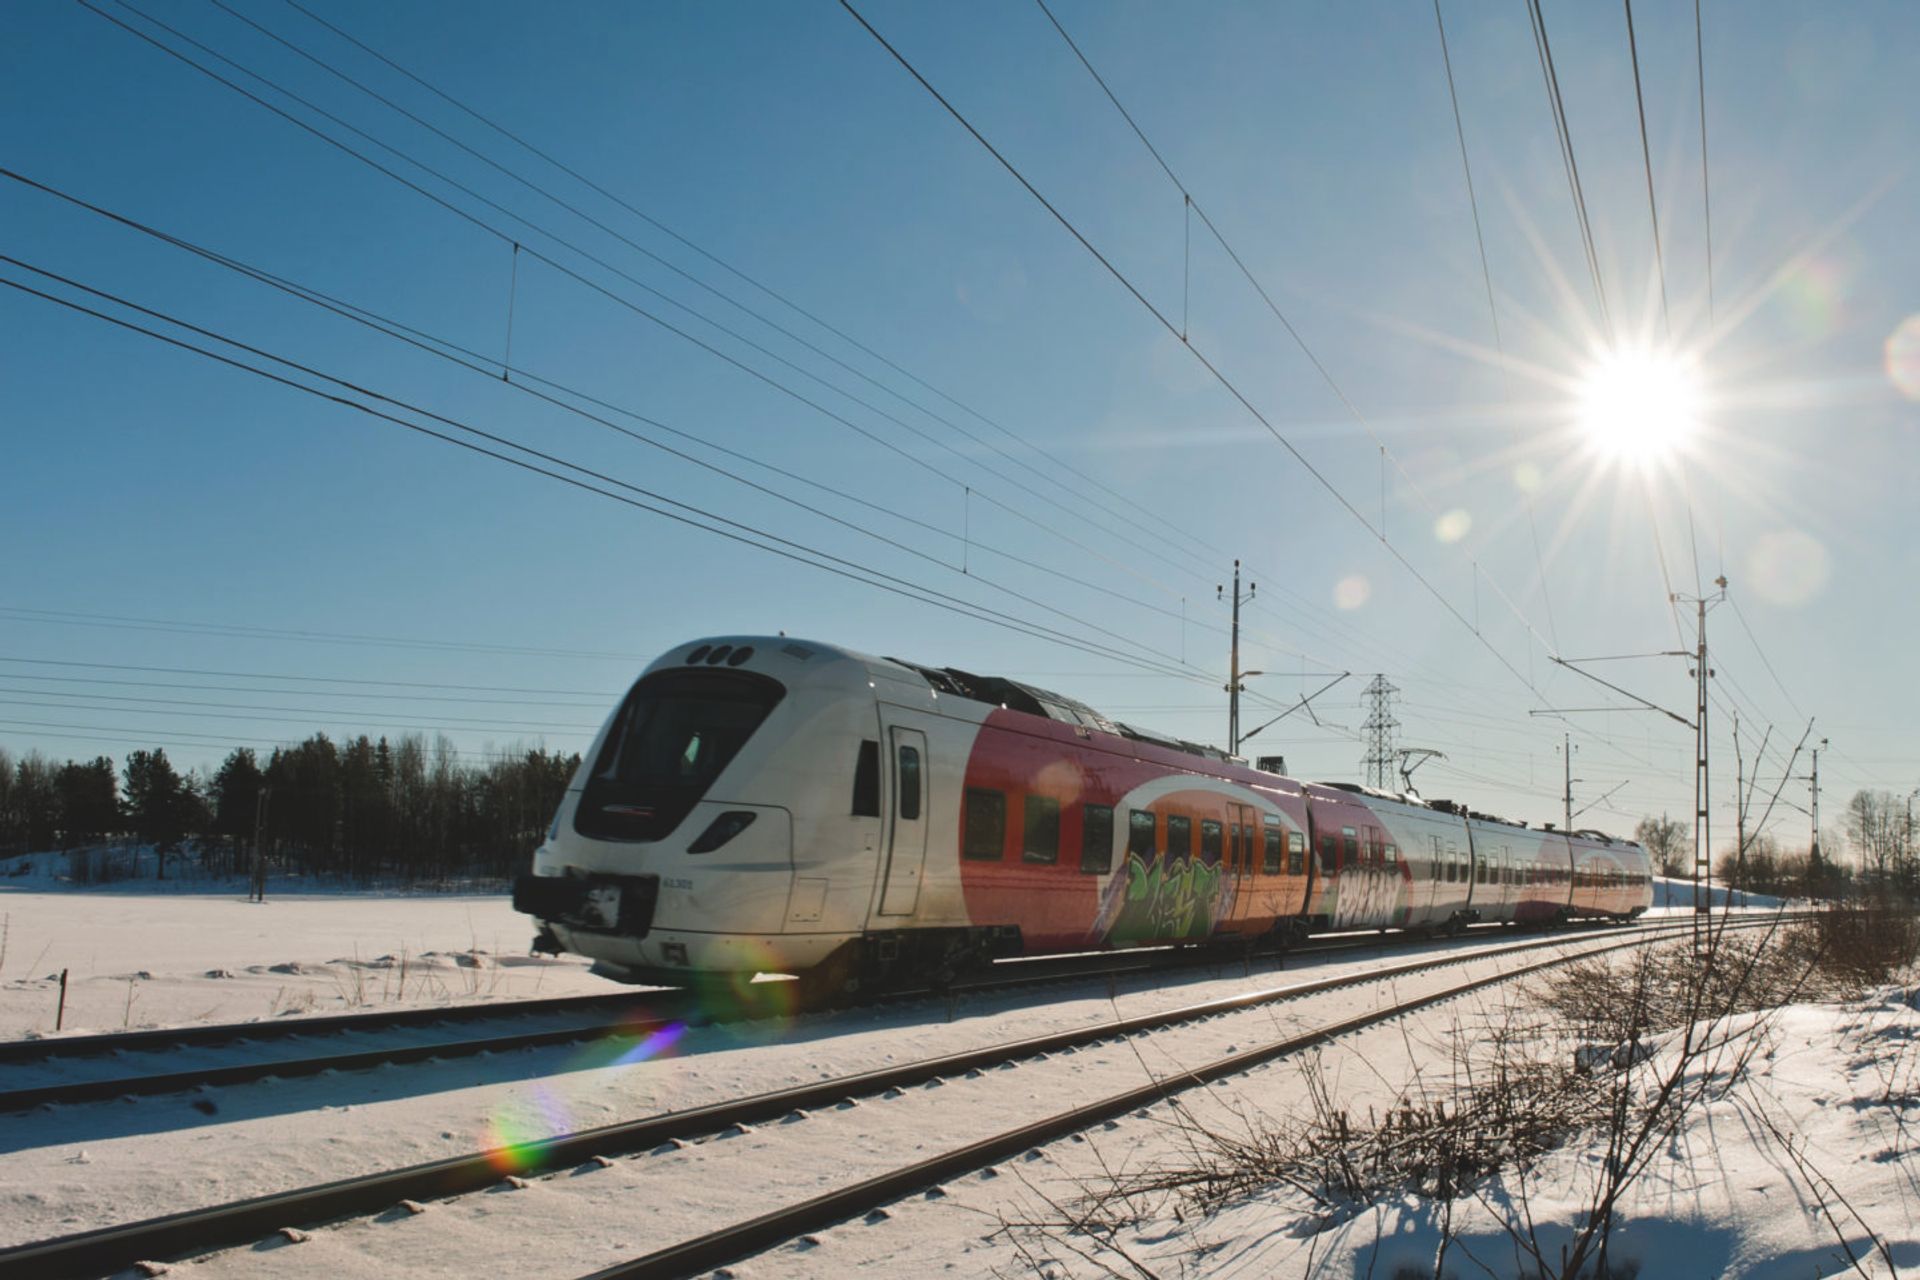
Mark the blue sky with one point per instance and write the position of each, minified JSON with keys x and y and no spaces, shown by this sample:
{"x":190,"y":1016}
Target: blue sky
{"x":158,"y":502}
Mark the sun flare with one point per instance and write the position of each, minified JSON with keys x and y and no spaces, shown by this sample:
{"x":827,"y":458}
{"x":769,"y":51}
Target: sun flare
{"x":1638,"y":405}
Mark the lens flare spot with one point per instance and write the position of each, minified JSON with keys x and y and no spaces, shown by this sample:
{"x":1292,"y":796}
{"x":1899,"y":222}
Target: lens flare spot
{"x":1527,"y":478}
{"x":1811,"y":295}
{"x":1351,"y":592}
{"x":1903,"y":357}
{"x":1453,"y":526}
{"x":1788,"y":567}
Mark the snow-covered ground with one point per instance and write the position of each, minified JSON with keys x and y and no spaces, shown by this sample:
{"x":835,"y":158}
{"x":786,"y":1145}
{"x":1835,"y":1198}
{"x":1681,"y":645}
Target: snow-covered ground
{"x":70,"y":1168}
{"x":1678,"y":894}
{"x":1731,"y":1204}
{"x":137,"y":959}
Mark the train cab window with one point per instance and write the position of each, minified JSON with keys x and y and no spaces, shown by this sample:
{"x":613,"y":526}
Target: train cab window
{"x":1043,"y":831}
{"x":1209,"y":840}
{"x":1351,"y":839}
{"x":1140,"y":833}
{"x":1096,"y":839}
{"x":1329,"y":853}
{"x":909,"y":783}
{"x":866,"y":781}
{"x":1296,"y":853}
{"x":1179,"y":836}
{"x":985,"y":831}
{"x":1270,"y":861}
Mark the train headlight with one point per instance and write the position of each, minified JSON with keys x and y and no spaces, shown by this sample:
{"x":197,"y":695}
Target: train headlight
{"x":722,"y":829}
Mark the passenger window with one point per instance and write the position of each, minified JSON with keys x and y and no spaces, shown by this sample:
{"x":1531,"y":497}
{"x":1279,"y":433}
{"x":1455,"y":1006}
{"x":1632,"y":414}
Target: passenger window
{"x":1140,"y":823}
{"x":866,"y":781}
{"x":1352,"y":839}
{"x":1329,"y":853}
{"x":1393,"y":855}
{"x":909,"y":783}
{"x":1296,"y":853}
{"x":1209,"y":840}
{"x":1271,"y":863}
{"x":1179,"y":837}
{"x":1043,"y":831}
{"x":985,"y":833}
{"x":1096,"y":839}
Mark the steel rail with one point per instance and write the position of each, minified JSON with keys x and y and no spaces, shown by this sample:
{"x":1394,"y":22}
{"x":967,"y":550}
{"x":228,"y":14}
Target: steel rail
{"x":106,"y":1249}
{"x":647,"y":1013}
{"x":743,"y":1240}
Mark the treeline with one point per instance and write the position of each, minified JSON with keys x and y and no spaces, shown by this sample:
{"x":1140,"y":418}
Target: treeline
{"x":363,"y":809}
{"x":1878,"y":856}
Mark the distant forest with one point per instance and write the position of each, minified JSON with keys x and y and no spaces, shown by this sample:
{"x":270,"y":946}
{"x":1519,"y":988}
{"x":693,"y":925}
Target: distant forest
{"x":360,"y":810}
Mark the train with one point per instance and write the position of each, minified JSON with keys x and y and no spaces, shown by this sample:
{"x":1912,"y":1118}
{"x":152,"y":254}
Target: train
{"x":768,"y":805}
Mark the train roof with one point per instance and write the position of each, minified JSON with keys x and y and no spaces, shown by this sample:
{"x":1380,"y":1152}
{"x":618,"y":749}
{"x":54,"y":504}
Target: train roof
{"x":1017,"y":695}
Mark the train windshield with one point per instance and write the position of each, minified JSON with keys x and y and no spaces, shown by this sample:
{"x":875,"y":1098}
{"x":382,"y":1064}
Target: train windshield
{"x":673,"y":735}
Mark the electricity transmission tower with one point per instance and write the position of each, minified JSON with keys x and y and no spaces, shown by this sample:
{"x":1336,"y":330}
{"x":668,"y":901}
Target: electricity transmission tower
{"x":1381,"y":757}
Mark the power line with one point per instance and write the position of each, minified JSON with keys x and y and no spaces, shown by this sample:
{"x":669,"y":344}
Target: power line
{"x":694,"y":517}
{"x":1706,"y":188}
{"x":1544,"y":49}
{"x":1466,"y":168}
{"x":19,"y":613}
{"x":446,"y":349}
{"x":310,"y":693}
{"x":756,"y":283}
{"x":1646,"y":159}
{"x":461,"y":723}
{"x":252,"y":675}
{"x":1167,"y":324}
{"x":173,"y":736}
{"x":600,"y":262}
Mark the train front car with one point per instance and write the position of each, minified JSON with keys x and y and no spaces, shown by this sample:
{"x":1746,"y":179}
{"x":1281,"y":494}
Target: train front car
{"x":692,"y":841}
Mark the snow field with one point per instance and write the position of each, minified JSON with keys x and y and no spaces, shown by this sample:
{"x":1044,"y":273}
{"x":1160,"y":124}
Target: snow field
{"x":140,"y":960}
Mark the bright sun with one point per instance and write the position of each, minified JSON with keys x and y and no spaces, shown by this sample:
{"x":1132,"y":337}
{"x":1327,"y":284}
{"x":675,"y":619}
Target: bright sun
{"x":1638,"y":405}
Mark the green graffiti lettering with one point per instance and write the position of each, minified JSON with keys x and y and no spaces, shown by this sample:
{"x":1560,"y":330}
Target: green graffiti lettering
{"x":1167,"y":901}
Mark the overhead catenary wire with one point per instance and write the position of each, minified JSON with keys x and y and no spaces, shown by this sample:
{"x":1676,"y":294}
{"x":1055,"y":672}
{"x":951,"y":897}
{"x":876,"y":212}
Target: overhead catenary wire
{"x":481,"y":364}
{"x":175,"y":738}
{"x":754,"y":282}
{"x":1128,"y":285}
{"x":1646,"y":160}
{"x":1121,"y":564}
{"x":356,"y":695}
{"x":620,"y":299}
{"x":295,"y":677}
{"x":1706,"y":185}
{"x":636,"y":497}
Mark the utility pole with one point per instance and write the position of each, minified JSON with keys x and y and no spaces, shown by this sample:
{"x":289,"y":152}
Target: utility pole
{"x":1380,"y":726}
{"x":1815,"y":810}
{"x":1702,"y":833}
{"x":257,"y":890}
{"x":1235,"y":676}
{"x":1566,"y":750}
{"x":1739,"y":808}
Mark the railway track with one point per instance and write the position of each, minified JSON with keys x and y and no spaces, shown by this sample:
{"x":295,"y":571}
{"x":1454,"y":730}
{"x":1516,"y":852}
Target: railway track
{"x":62,"y":1072}
{"x":200,"y":1231}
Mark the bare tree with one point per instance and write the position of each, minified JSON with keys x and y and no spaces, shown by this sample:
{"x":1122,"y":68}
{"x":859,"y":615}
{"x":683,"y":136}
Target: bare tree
{"x":1667,"y":842}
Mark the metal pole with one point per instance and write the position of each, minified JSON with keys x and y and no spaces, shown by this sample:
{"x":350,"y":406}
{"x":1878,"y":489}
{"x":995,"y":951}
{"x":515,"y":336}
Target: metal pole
{"x":1702,"y":850}
{"x":1234,"y":674}
{"x":1739,"y":809}
{"x":1566,"y":750}
{"x":1233,"y":702}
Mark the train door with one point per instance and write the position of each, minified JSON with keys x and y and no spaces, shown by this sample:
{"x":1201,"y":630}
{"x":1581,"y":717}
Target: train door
{"x":1243,"y":841}
{"x":906,"y":823}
